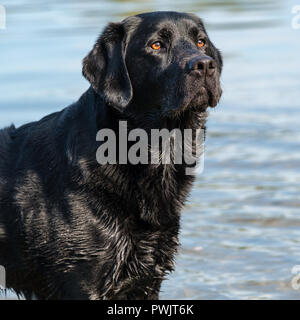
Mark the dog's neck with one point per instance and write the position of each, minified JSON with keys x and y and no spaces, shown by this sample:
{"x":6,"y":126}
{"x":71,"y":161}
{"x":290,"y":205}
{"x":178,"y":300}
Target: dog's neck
{"x":168,"y":184}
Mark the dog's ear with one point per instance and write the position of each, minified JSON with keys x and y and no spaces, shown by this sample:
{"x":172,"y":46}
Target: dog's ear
{"x":104,"y":67}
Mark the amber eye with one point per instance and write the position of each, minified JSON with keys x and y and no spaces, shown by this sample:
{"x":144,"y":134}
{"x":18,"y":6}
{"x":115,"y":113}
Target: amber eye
{"x":201,"y":43}
{"x":156,"y":45}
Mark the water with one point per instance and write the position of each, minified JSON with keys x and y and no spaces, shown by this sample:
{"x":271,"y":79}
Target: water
{"x":241,"y":228}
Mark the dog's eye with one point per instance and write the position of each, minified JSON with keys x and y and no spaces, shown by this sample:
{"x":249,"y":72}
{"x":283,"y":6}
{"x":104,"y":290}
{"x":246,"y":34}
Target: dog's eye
{"x":201,"y":43}
{"x":156,"y":45}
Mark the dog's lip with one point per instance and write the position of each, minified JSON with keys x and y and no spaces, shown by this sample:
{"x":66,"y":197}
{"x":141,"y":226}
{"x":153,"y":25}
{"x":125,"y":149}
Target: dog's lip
{"x":211,"y":102}
{"x":212,"y":98}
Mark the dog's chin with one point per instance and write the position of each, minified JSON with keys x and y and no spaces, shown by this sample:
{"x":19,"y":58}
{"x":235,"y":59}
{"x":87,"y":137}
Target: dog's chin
{"x":199,"y":101}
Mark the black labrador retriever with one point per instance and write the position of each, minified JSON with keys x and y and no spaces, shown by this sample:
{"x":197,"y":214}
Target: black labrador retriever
{"x":71,"y":228}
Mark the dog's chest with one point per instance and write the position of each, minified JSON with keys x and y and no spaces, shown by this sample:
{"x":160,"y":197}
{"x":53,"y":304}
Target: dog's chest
{"x":140,"y":261}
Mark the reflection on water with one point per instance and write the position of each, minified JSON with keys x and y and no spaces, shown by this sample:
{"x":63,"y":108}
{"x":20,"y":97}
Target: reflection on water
{"x":240,"y":230}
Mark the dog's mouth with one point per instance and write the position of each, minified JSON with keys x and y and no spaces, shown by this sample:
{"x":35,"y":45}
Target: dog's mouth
{"x":214,"y":97}
{"x":205,"y":98}
{"x":198,"y":97}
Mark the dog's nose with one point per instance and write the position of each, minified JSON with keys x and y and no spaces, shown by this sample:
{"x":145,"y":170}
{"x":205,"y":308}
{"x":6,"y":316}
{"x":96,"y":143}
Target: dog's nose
{"x":205,"y":65}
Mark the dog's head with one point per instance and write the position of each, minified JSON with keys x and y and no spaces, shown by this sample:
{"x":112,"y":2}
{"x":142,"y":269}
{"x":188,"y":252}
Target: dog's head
{"x":161,"y":60}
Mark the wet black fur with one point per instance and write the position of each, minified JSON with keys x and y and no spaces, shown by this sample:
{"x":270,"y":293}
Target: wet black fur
{"x":73,"y":229}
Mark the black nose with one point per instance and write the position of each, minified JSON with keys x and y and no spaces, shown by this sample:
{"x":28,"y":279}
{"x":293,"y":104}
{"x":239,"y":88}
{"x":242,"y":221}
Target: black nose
{"x":205,"y":65}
